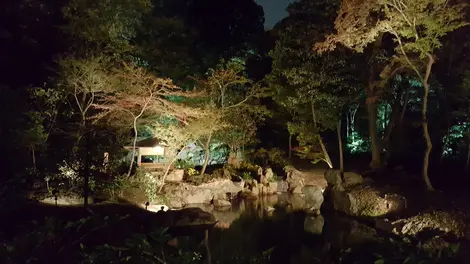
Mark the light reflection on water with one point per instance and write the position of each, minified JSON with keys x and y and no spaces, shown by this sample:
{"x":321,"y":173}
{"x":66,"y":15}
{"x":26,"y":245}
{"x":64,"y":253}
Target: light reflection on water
{"x":279,"y":224}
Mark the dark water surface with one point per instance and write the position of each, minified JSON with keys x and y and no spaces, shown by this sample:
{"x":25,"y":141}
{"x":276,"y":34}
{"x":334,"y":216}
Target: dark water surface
{"x":278,"y":227}
{"x":273,"y":230}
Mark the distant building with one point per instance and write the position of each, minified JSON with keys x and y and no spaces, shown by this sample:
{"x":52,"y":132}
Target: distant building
{"x":150,"y":153}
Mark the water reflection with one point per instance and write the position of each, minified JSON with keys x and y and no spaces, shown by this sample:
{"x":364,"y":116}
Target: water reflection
{"x":278,"y":225}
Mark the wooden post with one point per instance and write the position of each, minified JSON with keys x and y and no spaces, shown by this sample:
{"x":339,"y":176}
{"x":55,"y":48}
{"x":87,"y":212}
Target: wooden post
{"x":139,"y":157}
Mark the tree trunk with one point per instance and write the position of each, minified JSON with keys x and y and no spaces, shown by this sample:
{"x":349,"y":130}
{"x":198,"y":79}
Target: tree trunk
{"x":426,"y":137}
{"x":322,"y":145}
{"x":340,"y":144}
{"x":129,"y":172}
{"x":167,"y":170}
{"x":372,"y":107}
{"x":207,"y":153}
{"x":398,"y":134}
{"x":33,"y":155}
{"x":85,"y":159}
{"x":374,"y":140}
{"x":86,"y":171}
{"x":290,"y":146}
{"x":395,"y":119}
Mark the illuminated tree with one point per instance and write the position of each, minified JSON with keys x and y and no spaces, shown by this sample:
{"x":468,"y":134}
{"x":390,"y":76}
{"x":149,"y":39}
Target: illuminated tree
{"x":41,"y":121}
{"x":416,"y":26}
{"x":309,"y":85}
{"x":139,"y":95}
{"x":178,"y":135}
{"x":229,"y":92}
{"x":84,"y":81}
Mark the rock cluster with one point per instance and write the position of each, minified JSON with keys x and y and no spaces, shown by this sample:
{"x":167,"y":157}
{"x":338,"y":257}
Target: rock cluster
{"x":218,"y":192}
{"x":351,"y":197}
{"x":435,"y":223}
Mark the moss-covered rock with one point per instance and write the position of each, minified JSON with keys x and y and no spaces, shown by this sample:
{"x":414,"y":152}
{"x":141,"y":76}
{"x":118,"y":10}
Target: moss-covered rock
{"x":366,"y":201}
{"x":436,"y":222}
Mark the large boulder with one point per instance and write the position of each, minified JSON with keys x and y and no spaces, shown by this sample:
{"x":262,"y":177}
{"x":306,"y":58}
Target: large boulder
{"x":201,"y":194}
{"x":176,"y":203}
{"x":268,"y":175}
{"x":296,"y":190}
{"x":294,"y":178}
{"x":365,"y":201}
{"x":175,"y":176}
{"x":313,"y":198}
{"x":272,"y":188}
{"x":352,"y":179}
{"x":435,"y":222}
{"x":333,"y":177}
{"x":282,"y":186}
{"x":255,"y":190}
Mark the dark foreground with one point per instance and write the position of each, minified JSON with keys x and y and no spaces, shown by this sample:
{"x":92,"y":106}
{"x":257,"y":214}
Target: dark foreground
{"x":123,"y":233}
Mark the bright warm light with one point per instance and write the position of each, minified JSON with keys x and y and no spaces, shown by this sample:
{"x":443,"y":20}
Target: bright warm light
{"x":156,"y":207}
{"x":159,"y":150}
{"x":65,"y":201}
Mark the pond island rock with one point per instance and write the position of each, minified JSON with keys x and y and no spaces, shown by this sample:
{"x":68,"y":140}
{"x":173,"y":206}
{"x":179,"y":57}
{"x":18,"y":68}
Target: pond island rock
{"x":175,"y":176}
{"x":313,"y":196}
{"x":350,"y":196}
{"x":435,"y":222}
{"x":294,"y":179}
{"x":218,"y":192}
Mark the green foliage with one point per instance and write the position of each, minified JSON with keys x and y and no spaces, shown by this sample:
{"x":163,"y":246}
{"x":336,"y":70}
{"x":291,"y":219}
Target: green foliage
{"x":388,"y":250}
{"x":143,"y":248}
{"x":115,"y":187}
{"x":453,"y":141}
{"x":183,"y":164}
{"x":35,"y":135}
{"x":417,"y":26}
{"x":357,"y":144}
{"x":107,"y":23}
{"x":230,"y":92}
{"x":247,"y":176}
{"x":191,"y":172}
{"x":149,"y":183}
{"x":272,"y":156}
{"x":384,"y":111}
{"x":167,"y":44}
{"x":312,"y":88}
{"x":310,"y":152}
{"x":53,"y":237}
{"x":309,"y":142}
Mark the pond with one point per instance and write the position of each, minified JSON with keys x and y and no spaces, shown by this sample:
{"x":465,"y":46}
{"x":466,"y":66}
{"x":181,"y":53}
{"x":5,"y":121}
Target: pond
{"x":275,"y":229}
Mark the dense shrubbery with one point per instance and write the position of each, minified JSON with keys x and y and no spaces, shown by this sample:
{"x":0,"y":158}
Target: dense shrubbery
{"x":94,"y":239}
{"x":390,"y":250}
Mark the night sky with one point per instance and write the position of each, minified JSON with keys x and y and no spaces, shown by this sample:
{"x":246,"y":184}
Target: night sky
{"x":274,"y":11}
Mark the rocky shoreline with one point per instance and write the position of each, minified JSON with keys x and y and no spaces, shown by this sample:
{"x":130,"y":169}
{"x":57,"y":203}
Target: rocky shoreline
{"x":350,"y":194}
